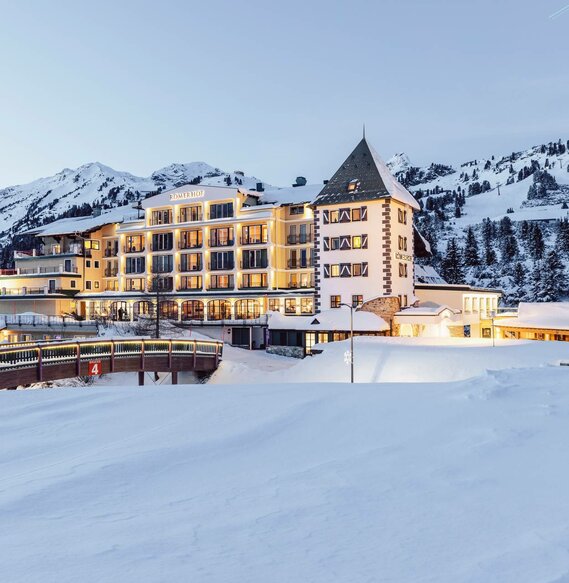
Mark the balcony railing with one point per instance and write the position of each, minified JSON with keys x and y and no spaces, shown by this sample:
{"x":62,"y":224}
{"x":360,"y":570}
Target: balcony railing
{"x":27,"y":291}
{"x":50,"y":250}
{"x":189,"y":219}
{"x":226,"y":243}
{"x":111,"y":251}
{"x":183,"y":246}
{"x":262,"y":286}
{"x":47,"y":270}
{"x":188,"y":268}
{"x":217,"y":288}
{"x":188,"y":288}
{"x":252,"y":241}
{"x":299,"y":264}
{"x":134,"y":249}
{"x":159,"y":248}
{"x":301,"y":284}
{"x":112,"y":271}
{"x":246,"y":265}
{"x":228,"y":267}
{"x":299,"y":239}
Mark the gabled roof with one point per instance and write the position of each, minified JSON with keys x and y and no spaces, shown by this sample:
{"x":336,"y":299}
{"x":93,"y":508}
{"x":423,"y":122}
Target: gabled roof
{"x":374,"y":180}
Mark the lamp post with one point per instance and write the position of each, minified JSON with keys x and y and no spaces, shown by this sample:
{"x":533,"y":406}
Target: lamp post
{"x":351,"y":340}
{"x":492,"y":316}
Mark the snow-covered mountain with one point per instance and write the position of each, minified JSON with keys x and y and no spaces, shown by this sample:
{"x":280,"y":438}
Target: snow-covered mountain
{"x":505,"y":218}
{"x":45,"y":199}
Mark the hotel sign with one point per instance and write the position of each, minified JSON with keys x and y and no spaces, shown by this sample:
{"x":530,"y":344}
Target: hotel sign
{"x":187,"y":195}
{"x":403,"y":256}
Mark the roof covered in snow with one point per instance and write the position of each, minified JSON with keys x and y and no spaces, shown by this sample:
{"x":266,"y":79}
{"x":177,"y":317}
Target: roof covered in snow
{"x":291,"y":194}
{"x":329,"y":320}
{"x":546,"y":315}
{"x":427,"y":274}
{"x":372,"y":176}
{"x":85,"y":224}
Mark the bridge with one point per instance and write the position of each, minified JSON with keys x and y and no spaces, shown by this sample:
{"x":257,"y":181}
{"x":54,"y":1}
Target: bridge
{"x":28,"y":363}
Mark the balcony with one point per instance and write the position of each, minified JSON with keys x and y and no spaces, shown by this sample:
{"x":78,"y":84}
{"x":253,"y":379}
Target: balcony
{"x":301,"y":239}
{"x":111,"y":251}
{"x":188,"y":288}
{"x":111,"y":271}
{"x":228,"y":267}
{"x":246,"y":265}
{"x":189,"y":268}
{"x":160,"y":249}
{"x":252,"y":241}
{"x":185,"y":246}
{"x":51,"y":250}
{"x":35,"y":291}
{"x":134,"y":249}
{"x":261,"y":286}
{"x":299,"y":264}
{"x":301,"y":284}
{"x":181,"y":218}
{"x":215,"y":288}
{"x":226,"y":243}
{"x":48,"y":270}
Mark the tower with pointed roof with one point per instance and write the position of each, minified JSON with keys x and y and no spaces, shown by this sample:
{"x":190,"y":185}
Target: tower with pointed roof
{"x":364,"y":237}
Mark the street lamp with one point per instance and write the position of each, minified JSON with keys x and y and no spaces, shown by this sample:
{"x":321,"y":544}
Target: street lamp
{"x":351,"y":340}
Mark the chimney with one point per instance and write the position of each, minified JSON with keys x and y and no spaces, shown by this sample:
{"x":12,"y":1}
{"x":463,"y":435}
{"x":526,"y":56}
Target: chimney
{"x":260,"y":187}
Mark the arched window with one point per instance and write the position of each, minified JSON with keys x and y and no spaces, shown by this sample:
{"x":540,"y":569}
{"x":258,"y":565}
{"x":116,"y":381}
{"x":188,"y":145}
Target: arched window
{"x":219,"y":310}
{"x":192,"y":310}
{"x":247,"y":309}
{"x":119,"y":311}
{"x":168,"y":310}
{"x":142,"y":308}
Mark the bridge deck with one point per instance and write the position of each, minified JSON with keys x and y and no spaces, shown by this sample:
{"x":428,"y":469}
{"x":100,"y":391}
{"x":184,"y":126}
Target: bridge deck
{"x":32,"y":363}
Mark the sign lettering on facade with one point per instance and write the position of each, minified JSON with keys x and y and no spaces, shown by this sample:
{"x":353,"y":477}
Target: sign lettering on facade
{"x":187,"y":195}
{"x":403,"y":256}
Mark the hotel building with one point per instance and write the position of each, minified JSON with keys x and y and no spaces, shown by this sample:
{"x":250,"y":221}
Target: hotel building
{"x":224,"y":257}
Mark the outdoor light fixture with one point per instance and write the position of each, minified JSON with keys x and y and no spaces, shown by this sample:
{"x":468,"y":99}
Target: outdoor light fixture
{"x":351,"y":306}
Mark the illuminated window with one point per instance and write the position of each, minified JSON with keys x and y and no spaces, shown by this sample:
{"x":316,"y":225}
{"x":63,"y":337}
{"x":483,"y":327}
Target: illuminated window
{"x":356,"y":269}
{"x":290,"y":306}
{"x":357,"y":301}
{"x":335,"y":270}
{"x":356,"y":215}
{"x":353,"y":185}
{"x":274,"y":305}
{"x":335,"y":301}
{"x":356,"y":242}
{"x":334,"y":216}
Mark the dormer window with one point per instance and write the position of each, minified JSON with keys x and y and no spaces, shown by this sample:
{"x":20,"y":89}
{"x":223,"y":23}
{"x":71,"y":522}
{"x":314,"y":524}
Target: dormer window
{"x":353,"y":185}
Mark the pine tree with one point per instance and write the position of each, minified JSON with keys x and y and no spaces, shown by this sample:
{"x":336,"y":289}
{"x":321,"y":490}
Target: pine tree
{"x":536,"y":243}
{"x":562,"y":239}
{"x":452,"y":263}
{"x":554,"y":278}
{"x":519,"y":278}
{"x":471,"y":252}
{"x":509,"y":249}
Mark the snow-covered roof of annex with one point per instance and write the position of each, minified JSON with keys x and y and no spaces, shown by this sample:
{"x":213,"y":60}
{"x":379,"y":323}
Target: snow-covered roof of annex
{"x":544,"y":315}
{"x":85,"y":224}
{"x":329,"y":320}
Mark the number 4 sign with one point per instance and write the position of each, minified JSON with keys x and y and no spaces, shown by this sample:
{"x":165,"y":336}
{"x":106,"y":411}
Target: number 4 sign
{"x":94,"y":368}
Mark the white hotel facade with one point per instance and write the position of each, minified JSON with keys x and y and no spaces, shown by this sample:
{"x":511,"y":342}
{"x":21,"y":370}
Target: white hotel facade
{"x":225,"y":257}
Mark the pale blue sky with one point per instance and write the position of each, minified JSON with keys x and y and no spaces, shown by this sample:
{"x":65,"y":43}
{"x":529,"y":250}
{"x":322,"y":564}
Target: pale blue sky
{"x":277,"y":89}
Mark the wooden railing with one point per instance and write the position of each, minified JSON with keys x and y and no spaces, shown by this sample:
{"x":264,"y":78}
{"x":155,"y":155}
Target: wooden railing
{"x":30,"y":363}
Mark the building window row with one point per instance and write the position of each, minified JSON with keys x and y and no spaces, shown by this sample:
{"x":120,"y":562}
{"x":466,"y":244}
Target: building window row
{"x":346,"y":270}
{"x":345,"y":215}
{"x":345,"y":242}
{"x":336,"y":301}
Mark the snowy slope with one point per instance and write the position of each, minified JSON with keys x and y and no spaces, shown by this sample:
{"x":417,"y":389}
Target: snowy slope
{"x":327,"y":483}
{"x":97,"y":183}
{"x":501,"y":168}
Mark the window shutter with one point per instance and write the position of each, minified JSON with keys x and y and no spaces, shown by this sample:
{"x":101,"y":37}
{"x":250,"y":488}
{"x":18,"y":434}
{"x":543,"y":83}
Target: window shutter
{"x":345,"y":243}
{"x":364,"y":213}
{"x":364,"y":241}
{"x":345,"y":270}
{"x":345,"y":216}
{"x":326,"y":243}
{"x":364,"y":269}
{"x":326,"y":217}
{"x":326,"y":270}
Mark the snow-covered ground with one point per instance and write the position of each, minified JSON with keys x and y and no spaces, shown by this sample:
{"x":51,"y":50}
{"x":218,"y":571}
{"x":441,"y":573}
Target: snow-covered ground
{"x":451,"y":482}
